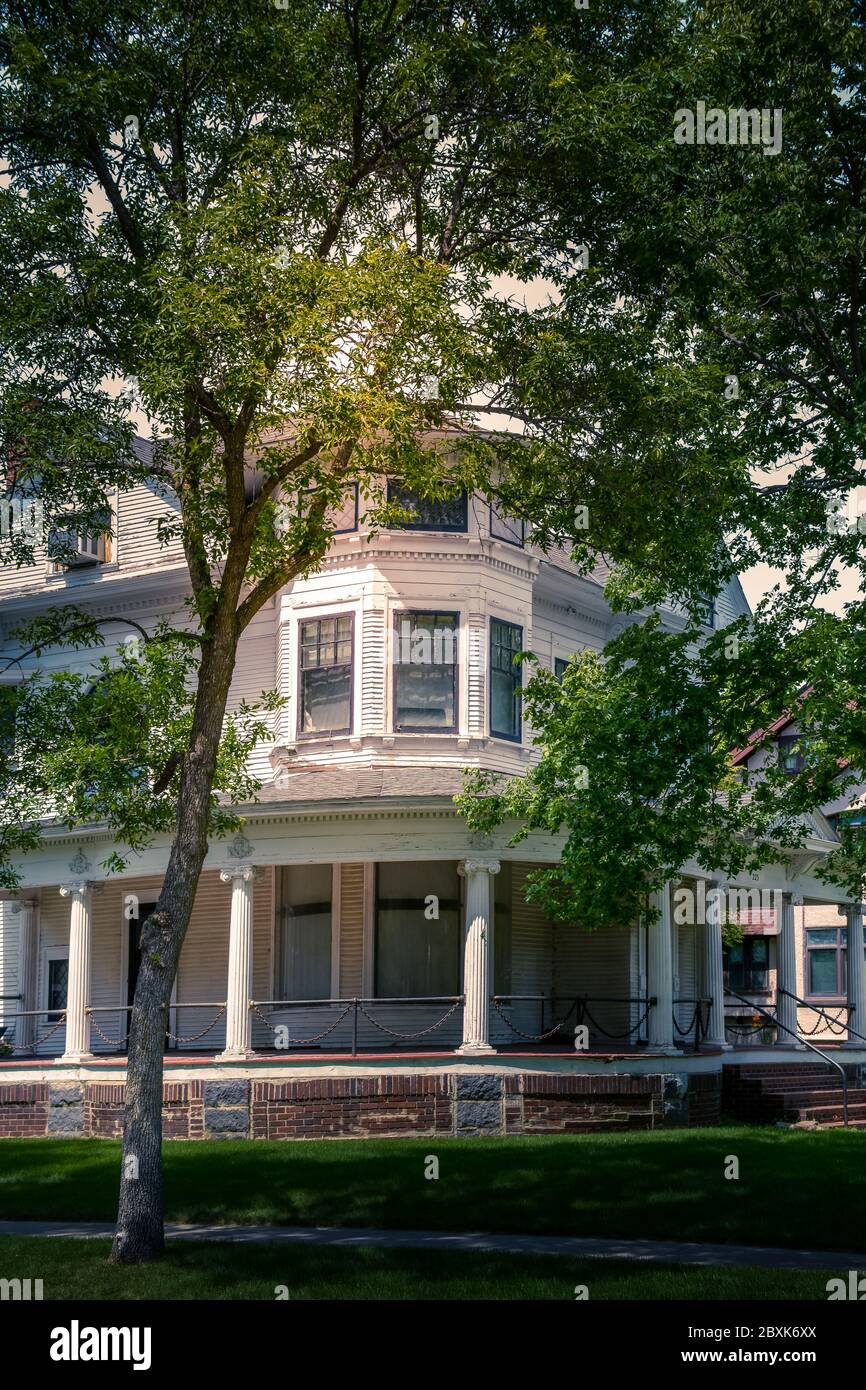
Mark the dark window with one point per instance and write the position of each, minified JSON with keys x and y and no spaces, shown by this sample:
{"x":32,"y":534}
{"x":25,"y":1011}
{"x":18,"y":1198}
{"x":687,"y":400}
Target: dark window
{"x":418,"y":936}
{"x":747,"y":965}
{"x":502,"y":930}
{"x":506,"y":640}
{"x":425,"y":671}
{"x":506,"y":528}
{"x":305,"y":945}
{"x":325,"y":701}
{"x":707,"y":612}
{"x":431,"y":514}
{"x":560,"y":666}
{"x":790,"y":754}
{"x":58,"y":983}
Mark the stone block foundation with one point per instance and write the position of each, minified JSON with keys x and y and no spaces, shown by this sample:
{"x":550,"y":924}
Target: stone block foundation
{"x":394,"y":1104}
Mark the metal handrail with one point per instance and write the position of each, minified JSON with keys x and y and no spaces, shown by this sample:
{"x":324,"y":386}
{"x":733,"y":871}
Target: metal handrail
{"x":831,"y":1061}
{"x":816,"y":1008}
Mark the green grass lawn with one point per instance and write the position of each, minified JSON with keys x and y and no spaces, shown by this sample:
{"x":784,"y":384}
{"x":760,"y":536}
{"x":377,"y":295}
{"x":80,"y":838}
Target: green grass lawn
{"x":795,"y":1188}
{"x":77,"y":1269}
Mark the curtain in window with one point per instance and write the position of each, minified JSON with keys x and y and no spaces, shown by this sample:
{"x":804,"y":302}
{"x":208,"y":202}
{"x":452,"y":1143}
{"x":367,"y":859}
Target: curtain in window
{"x":417,"y":955}
{"x":305,"y":955}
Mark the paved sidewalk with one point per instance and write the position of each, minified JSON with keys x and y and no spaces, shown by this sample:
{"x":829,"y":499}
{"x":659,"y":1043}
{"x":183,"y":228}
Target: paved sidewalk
{"x":578,"y":1247}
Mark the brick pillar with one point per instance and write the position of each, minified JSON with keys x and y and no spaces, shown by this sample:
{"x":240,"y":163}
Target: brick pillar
{"x":78,"y":994}
{"x":660,"y":973}
{"x":477,"y":955}
{"x":856,"y":976}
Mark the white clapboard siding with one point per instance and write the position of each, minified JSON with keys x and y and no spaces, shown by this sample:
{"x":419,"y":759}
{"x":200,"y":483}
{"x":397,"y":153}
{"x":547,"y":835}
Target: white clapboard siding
{"x":10,"y":936}
{"x":139,"y":509}
{"x":531,"y":956}
{"x":373,"y":657}
{"x":54,"y":916}
{"x":351,"y":931}
{"x":687,"y":972}
{"x":476,"y":680}
{"x":595,"y":964}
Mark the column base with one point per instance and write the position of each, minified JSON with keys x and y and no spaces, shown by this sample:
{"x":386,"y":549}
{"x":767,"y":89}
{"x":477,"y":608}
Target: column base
{"x":665,"y":1049}
{"x":73,"y":1058}
{"x":241,"y":1055}
{"x":791,"y":1046}
{"x":716,"y":1045}
{"x":475,"y":1050}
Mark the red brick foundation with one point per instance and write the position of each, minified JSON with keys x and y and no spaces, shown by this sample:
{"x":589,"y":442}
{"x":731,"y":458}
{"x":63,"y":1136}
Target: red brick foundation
{"x":431,"y":1104}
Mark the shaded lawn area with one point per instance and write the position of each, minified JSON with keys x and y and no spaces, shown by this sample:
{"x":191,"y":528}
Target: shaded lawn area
{"x":796,"y":1188}
{"x":77,"y":1269}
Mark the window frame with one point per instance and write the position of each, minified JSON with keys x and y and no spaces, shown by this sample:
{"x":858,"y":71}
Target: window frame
{"x":518,"y":682}
{"x":302,"y":733}
{"x":49,"y":954}
{"x":840,"y":949}
{"x":398,"y":614}
{"x":748,"y":968}
{"x":461,"y":530}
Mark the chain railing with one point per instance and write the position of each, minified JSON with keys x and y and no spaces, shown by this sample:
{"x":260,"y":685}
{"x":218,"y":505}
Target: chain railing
{"x":357,"y":1006}
{"x":58,"y":1014}
{"x":579,"y":1007}
{"x":696,"y":1023}
{"x":837,"y":1027}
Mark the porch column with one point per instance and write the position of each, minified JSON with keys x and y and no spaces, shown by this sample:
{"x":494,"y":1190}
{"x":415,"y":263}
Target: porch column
{"x":714,"y":971}
{"x":78,"y":990}
{"x":477,"y":955}
{"x":786,"y":975}
{"x":660,"y":974}
{"x":856,"y":976}
{"x":25,"y":1028}
{"x":240,"y":977}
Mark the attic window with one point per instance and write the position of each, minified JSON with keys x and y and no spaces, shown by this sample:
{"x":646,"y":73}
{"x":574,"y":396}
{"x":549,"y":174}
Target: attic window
{"x":76,"y":546}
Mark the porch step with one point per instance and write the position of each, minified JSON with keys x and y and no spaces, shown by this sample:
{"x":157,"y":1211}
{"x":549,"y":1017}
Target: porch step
{"x":793,"y":1094}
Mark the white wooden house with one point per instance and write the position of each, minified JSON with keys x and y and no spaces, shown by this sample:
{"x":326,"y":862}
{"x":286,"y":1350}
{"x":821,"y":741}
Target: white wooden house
{"x":357,"y":961}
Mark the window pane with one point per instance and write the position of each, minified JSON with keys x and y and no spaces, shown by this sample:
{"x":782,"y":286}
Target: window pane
{"x":326,"y":676}
{"x":425,"y":671}
{"x":822,"y":972}
{"x":58,"y":981}
{"x":306,"y":932}
{"x":448,"y":514}
{"x":417,"y":956}
{"x":822,"y":936}
{"x":560,"y":666}
{"x":505,"y":679}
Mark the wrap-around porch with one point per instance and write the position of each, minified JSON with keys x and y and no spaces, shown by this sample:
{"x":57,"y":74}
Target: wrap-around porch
{"x":371,"y":959}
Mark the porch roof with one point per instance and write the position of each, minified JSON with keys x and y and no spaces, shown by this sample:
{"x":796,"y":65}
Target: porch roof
{"x":321,"y":784}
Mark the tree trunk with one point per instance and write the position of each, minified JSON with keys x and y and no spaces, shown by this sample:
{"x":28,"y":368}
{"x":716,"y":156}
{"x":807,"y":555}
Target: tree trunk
{"x":139,"y":1235}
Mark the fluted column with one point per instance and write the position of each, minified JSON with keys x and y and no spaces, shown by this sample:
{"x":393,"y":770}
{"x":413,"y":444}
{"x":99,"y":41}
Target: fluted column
{"x":856,"y":976}
{"x":660,"y":973}
{"x":713,"y":975}
{"x":786,"y":975}
{"x":25,"y":1028}
{"x":78,"y":991}
{"x":477,"y":955}
{"x":240,"y":976}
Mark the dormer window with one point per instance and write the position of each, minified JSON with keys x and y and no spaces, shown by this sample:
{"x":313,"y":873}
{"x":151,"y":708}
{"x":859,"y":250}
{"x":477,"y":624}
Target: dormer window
{"x":791,"y":758}
{"x":430,"y":513}
{"x":76,"y":545}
